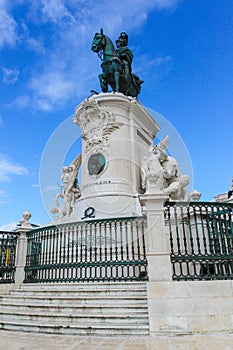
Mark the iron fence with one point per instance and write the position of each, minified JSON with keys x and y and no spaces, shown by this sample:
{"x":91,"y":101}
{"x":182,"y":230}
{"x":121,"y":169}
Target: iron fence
{"x":201,"y":240}
{"x":8,"y":242}
{"x":98,"y":250}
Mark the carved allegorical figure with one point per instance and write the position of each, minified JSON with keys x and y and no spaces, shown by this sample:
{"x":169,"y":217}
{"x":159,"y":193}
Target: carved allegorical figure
{"x":152,"y":171}
{"x":163,"y":172}
{"x":70,"y":189}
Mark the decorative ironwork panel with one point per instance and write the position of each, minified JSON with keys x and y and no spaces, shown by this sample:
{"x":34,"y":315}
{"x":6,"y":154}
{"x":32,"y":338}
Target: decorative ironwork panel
{"x":8,"y":242}
{"x":201,"y":240}
{"x":98,"y":250}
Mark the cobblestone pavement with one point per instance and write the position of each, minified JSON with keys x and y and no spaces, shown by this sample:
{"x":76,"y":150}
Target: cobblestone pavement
{"x":35,"y":341}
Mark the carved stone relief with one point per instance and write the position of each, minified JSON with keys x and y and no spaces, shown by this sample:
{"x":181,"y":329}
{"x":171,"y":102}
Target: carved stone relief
{"x":96,"y":123}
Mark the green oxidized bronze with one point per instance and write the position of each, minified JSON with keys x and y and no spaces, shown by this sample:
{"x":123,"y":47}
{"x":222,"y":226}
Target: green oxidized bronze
{"x":116,"y":65}
{"x":96,"y":164}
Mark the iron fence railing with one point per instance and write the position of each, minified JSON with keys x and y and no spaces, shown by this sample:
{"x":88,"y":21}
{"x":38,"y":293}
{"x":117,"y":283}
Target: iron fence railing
{"x":99,"y":250}
{"x":201,"y":240}
{"x":8,"y":242}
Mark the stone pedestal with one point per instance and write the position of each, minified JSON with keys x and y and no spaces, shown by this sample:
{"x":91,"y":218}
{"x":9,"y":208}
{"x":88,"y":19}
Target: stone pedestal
{"x":157,"y":252}
{"x":157,"y":240}
{"x":116,"y":134}
{"x":21,"y":253}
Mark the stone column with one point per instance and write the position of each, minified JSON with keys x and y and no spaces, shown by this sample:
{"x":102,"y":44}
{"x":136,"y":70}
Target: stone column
{"x":21,"y":252}
{"x":21,"y":249}
{"x":157,"y":240}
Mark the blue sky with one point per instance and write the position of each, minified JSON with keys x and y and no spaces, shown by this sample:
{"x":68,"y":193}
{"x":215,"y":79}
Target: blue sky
{"x":182,"y":50}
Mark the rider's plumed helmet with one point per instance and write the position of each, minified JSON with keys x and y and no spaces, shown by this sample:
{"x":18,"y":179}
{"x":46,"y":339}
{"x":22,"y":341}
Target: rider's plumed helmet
{"x":123,"y":38}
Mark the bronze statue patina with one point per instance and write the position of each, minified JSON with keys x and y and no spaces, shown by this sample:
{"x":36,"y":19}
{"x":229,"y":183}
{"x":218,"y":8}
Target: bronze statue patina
{"x":116,"y":65}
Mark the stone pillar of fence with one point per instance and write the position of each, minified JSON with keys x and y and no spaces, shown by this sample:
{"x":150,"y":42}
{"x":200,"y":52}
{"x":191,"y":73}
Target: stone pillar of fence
{"x":21,"y":249}
{"x":157,"y":239}
{"x":21,"y":252}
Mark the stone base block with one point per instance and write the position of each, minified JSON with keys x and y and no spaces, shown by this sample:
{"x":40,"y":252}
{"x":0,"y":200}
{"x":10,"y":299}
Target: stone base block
{"x":159,"y":267}
{"x":108,"y":205}
{"x":190,"y":307}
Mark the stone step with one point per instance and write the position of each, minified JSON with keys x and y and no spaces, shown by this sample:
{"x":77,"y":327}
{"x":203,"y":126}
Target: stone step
{"x":87,"y":308}
{"x":76,"y":329}
{"x":77,"y":292}
{"x":66,"y":318}
{"x":74,"y":300}
{"x":82,"y":289}
{"x":74,"y":309}
{"x":85,"y":285}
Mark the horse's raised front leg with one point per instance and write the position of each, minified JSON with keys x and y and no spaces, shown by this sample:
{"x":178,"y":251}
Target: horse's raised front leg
{"x":103,"y":83}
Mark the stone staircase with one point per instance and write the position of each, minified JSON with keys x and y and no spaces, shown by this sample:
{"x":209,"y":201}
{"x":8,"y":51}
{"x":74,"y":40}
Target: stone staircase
{"x":117,"y":308}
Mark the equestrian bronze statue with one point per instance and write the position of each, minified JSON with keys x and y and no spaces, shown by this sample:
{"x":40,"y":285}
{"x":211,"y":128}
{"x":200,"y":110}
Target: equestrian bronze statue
{"x":116,"y":65}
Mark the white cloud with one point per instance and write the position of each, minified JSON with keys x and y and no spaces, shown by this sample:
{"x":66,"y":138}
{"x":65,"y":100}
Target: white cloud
{"x":36,"y":45}
{"x":10,"y":76}
{"x":8,"y":227}
{"x":166,"y":4}
{"x":7,"y":26}
{"x":55,"y":11}
{"x":156,"y":64}
{"x":22,"y":101}
{"x":69,"y":68}
{"x":9,"y":168}
{"x":91,"y":13}
{"x":49,"y":89}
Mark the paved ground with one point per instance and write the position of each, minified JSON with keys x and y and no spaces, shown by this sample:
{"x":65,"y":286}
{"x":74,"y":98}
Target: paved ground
{"x":32,"y":341}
